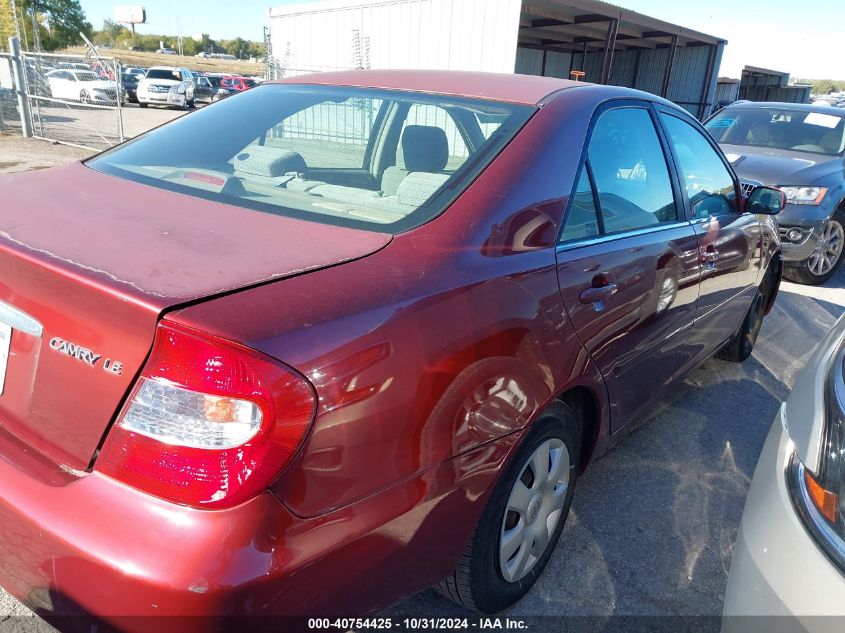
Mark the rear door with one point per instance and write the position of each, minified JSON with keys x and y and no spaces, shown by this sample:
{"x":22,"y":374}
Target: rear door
{"x":627,"y":259}
{"x":729,"y":239}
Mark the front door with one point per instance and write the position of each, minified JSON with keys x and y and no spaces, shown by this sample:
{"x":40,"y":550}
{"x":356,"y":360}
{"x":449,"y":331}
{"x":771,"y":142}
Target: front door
{"x":730,"y":247}
{"x":627,"y":260}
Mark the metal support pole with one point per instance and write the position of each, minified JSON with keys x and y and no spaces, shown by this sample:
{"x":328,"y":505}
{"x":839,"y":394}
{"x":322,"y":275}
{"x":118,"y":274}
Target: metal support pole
{"x":584,"y":61}
{"x":704,"y":108}
{"x":19,"y":79}
{"x":119,"y":92}
{"x":610,"y":45}
{"x":667,"y":74}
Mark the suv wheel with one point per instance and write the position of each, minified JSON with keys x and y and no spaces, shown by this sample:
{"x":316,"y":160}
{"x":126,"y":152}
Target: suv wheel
{"x":821,"y":265}
{"x":523,"y":519}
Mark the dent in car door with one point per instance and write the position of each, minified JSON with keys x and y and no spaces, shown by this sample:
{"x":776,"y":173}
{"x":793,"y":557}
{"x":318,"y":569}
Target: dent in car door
{"x":729,"y":246}
{"x":627,"y":262}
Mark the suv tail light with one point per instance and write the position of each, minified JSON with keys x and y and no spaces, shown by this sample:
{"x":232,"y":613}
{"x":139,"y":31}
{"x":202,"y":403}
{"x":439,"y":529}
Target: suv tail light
{"x":209,"y":423}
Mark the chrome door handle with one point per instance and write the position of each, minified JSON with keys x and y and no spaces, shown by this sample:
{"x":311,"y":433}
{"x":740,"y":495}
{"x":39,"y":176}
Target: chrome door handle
{"x":598,"y":296}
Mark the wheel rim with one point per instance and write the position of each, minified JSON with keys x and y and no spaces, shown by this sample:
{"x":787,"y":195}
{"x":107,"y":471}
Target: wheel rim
{"x":828,"y":249}
{"x":533,"y":511}
{"x":83,"y":97}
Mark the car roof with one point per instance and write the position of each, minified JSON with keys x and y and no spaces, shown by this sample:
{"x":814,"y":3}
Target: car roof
{"x":523,"y":89}
{"x":801,"y":107}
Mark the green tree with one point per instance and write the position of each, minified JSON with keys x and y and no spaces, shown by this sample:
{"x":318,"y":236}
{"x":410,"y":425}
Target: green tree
{"x":238,"y":47}
{"x":113,"y":29}
{"x":59,"y":22}
{"x":7,"y":24}
{"x":823,"y":86}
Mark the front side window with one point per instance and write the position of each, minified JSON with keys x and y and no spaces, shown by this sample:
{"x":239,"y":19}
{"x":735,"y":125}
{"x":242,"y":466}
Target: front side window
{"x":311,"y":152}
{"x":709,"y":185}
{"x":630,"y":172}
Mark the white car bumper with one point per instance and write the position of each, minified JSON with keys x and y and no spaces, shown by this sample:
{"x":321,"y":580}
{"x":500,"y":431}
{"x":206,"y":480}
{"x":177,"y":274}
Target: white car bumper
{"x":170,"y":98}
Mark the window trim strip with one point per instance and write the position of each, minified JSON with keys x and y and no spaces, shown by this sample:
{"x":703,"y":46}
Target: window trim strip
{"x":568,"y":246}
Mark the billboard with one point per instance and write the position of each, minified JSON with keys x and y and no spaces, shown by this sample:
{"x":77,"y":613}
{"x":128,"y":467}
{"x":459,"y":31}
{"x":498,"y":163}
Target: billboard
{"x":130,"y":14}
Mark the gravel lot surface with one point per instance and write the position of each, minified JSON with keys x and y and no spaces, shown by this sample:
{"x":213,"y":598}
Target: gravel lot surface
{"x":654,"y":520}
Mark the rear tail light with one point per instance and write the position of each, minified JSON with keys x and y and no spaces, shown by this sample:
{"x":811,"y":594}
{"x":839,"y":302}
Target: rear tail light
{"x":210,"y":423}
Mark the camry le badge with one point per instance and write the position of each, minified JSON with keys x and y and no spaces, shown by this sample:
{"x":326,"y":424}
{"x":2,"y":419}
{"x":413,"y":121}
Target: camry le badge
{"x":85,"y":355}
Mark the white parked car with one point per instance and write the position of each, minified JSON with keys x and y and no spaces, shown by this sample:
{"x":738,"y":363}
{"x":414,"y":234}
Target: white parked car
{"x":167,"y":86}
{"x":81,"y":85}
{"x":788,"y":568}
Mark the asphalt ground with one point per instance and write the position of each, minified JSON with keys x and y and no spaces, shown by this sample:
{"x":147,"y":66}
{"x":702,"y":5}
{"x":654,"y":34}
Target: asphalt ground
{"x":654,"y":520}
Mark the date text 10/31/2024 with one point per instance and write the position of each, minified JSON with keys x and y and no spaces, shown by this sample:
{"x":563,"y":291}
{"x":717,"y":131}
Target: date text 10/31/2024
{"x":418,"y":623}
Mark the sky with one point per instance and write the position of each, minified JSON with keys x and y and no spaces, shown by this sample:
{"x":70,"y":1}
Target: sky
{"x":801,"y":38}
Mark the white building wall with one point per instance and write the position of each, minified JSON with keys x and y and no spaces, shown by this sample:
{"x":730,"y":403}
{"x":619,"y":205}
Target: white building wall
{"x":434,"y":34}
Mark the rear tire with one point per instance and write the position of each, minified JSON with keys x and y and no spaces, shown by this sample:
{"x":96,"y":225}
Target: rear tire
{"x":816,"y":270}
{"x":488,"y":577}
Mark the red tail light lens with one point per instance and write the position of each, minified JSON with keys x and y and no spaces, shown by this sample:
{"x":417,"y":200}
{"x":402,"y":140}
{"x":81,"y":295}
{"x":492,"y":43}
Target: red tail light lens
{"x":210,"y":423}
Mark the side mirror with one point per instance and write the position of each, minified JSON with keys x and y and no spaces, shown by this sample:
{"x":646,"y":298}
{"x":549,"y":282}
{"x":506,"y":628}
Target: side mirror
{"x":766,"y":201}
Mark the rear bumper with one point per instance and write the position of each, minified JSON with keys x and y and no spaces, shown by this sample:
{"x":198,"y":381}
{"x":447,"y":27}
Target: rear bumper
{"x":85,"y":546}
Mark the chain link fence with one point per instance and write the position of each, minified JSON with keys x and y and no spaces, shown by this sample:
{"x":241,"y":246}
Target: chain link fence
{"x":74,"y":99}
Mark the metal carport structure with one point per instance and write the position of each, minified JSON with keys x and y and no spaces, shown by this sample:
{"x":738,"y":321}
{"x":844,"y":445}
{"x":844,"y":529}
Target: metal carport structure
{"x":539,"y":37}
{"x":612,"y":45}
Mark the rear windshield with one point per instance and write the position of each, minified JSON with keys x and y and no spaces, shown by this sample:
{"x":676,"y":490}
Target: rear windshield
{"x":780,"y":128}
{"x":378,"y":160}
{"x":161,"y":73}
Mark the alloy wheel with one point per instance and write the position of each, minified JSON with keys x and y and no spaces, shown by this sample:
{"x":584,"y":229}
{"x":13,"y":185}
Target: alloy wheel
{"x":828,"y":249}
{"x":533,"y":509}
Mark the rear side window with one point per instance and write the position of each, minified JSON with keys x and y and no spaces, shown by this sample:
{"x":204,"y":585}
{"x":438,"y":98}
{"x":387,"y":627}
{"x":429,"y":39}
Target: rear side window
{"x":709,"y":185}
{"x":630,"y":178}
{"x":582,"y":218}
{"x":630,"y":172}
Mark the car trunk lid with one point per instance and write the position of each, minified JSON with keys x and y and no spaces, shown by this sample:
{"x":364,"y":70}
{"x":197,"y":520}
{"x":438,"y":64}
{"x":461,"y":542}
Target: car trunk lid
{"x":89,"y":262}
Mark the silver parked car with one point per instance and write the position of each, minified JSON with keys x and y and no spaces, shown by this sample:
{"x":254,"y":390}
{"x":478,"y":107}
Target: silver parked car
{"x":801,"y":149}
{"x":789,"y":559}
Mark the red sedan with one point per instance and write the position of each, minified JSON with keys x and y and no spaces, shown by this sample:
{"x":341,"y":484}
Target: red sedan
{"x":360,"y":343}
{"x":238,"y":84}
